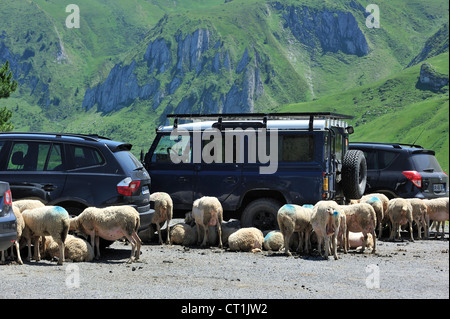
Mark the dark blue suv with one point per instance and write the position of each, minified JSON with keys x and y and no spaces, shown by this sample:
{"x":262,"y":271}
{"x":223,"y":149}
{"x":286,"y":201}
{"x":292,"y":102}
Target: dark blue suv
{"x":74,"y":171}
{"x":255,"y":163}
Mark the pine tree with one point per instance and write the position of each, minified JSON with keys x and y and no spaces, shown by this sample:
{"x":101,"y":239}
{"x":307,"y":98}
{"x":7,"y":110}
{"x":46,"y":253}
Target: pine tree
{"x":7,"y":86}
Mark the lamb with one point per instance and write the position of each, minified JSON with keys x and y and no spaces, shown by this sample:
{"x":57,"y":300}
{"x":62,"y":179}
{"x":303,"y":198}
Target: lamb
{"x":399,"y":212}
{"x":207,"y":211}
{"x":76,"y":249}
{"x":19,"y":228}
{"x":325,"y":221}
{"x":419,"y":214}
{"x":46,"y":221}
{"x":110,"y":223}
{"x":295,"y":218}
{"x":163,"y":212}
{"x":273,"y":240}
{"x":246,"y":239}
{"x":361,"y":218}
{"x":437,"y":210}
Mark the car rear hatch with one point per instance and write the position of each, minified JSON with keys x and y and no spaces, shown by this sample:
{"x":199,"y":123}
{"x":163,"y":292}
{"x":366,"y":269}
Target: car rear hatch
{"x":8,"y":226}
{"x":432,"y":181}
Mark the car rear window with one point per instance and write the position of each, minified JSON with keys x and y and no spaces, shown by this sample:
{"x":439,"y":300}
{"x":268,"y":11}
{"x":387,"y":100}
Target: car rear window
{"x":128,"y":161}
{"x":425,"y":162}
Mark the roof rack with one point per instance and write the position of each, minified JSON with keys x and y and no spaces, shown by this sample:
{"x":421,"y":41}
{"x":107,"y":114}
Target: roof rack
{"x":395,"y":145}
{"x":87,"y":137}
{"x":261,"y":116}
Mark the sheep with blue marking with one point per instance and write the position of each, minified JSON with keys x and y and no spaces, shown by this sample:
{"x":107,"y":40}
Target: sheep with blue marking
{"x":45,"y":221}
{"x":326,"y":222}
{"x":379,"y":203}
{"x":110,"y":223}
{"x":295,"y":219}
{"x":273,"y":241}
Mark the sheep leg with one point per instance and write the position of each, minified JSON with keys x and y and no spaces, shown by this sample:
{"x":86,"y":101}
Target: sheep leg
{"x":307,"y":242}
{"x":287,"y":237}
{"x":443,"y":231}
{"x":219,"y":231}
{"x":198,"y":234}
{"x":37,"y":254}
{"x":300,"y":242}
{"x":61,"y":251}
{"x":97,"y":244}
{"x":168,"y":237}
{"x":326,"y":246}
{"x":3,"y":258}
{"x":334,"y":244}
{"x":133,"y":247}
{"x":19,"y":259}
{"x":411,"y":230}
{"x":374,"y":238}
{"x":158,"y":228}
{"x":364,"y":242}
{"x":29,"y":249}
{"x":138,"y":244}
{"x":205,"y":236}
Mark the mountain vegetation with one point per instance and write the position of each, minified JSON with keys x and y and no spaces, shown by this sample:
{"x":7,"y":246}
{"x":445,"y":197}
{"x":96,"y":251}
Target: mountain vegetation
{"x":130,"y":63}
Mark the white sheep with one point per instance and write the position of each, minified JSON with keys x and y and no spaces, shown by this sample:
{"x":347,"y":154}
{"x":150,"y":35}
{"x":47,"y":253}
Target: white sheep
{"x":45,"y":221}
{"x":326,"y":220}
{"x":437,"y":210}
{"x":378,"y":202}
{"x":76,"y":249}
{"x":361,"y":218}
{"x":273,"y":240}
{"x":183,"y":234}
{"x":357,"y":240}
{"x":246,"y":239}
{"x":20,"y":225}
{"x":294,"y":218}
{"x":419,"y":214}
{"x":24,"y":204}
{"x":207,"y":211}
{"x":110,"y":223}
{"x":163,"y":212}
{"x":399,"y":212}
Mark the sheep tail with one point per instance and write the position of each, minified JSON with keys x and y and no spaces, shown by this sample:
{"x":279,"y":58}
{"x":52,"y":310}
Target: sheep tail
{"x":65,"y":230}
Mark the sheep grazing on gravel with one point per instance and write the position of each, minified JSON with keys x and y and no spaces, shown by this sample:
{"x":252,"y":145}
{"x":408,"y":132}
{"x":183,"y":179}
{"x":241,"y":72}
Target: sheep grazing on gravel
{"x":163,"y":212}
{"x":399,"y":212}
{"x":437,"y":210}
{"x":325,"y":221}
{"x":295,"y":218}
{"x":378,"y":206}
{"x":24,"y":204}
{"x":19,"y":228}
{"x":46,"y":221}
{"x":419,"y":214}
{"x":249,"y":239}
{"x":76,"y":249}
{"x":207,"y":211}
{"x":183,"y":234}
{"x":110,"y":223}
{"x":361,"y":218}
{"x":273,"y":240}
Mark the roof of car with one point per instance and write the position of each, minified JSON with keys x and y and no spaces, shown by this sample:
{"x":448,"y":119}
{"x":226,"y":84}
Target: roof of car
{"x":66,"y":137}
{"x":391,"y":146}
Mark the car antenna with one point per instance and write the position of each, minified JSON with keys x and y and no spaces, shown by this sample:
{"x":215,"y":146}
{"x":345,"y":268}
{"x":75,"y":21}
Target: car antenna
{"x":418,"y":136}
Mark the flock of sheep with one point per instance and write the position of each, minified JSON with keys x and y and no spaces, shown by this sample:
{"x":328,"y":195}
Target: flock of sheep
{"x":326,"y":224}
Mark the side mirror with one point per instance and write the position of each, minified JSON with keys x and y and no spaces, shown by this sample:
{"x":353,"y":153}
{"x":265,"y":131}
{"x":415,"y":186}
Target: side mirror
{"x":350,"y":129}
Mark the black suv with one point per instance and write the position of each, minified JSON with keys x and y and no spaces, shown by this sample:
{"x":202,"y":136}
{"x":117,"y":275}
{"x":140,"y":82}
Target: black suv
{"x":255,"y":163}
{"x":401,"y":170}
{"x":74,"y":171}
{"x":8,"y":223}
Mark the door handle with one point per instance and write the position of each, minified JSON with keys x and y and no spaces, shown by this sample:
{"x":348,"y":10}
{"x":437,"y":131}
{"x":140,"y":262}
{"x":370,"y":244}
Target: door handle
{"x":49,"y":187}
{"x":230,"y":179}
{"x":182,"y":179}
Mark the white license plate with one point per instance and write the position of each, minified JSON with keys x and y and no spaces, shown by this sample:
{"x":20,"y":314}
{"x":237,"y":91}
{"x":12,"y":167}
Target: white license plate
{"x":145,"y":190}
{"x":437,"y":188}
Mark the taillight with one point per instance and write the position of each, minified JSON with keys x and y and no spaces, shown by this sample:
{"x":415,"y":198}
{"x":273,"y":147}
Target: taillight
{"x":8,"y":197}
{"x":128,"y":187}
{"x":414,"y":177}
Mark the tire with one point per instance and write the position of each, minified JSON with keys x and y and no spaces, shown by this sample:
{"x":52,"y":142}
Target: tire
{"x":262,"y":214}
{"x":354,"y":174}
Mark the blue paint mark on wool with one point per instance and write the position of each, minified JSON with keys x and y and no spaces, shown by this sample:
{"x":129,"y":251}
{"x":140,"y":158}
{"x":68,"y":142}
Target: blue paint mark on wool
{"x":308,"y":206}
{"x":59,"y":210}
{"x":268,"y":236}
{"x":289,"y":209}
{"x":373,"y":200}
{"x":335,"y":213}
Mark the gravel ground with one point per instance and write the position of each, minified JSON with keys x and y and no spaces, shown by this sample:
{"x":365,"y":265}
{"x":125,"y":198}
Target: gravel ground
{"x":404,"y":269}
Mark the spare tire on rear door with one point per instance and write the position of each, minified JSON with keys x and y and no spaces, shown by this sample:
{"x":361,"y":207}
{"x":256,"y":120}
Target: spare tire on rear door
{"x":354,"y":174}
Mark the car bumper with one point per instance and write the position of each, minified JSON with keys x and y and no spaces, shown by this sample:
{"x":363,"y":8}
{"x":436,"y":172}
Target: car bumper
{"x":146,"y":216}
{"x":7,"y":239}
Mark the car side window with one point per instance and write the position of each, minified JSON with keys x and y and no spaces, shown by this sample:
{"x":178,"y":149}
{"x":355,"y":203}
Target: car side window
{"x":35,"y":156}
{"x":180,"y":147}
{"x":83,"y":156}
{"x":371,"y":159}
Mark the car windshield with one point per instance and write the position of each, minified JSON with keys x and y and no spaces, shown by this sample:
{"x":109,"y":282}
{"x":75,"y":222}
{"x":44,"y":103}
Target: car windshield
{"x":128,"y":161}
{"x":426,"y":162}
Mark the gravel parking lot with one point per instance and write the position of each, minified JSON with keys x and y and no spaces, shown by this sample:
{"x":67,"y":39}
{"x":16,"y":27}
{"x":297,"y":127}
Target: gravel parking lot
{"x":403,"y":269}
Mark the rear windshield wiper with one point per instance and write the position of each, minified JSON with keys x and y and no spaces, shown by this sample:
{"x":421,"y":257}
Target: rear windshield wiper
{"x":429,"y":170}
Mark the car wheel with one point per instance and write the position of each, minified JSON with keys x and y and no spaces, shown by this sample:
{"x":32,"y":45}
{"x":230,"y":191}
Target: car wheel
{"x":354,"y":174}
{"x":262,"y":214}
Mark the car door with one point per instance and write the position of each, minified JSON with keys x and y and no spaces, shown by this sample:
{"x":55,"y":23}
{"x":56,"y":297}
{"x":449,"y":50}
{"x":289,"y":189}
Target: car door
{"x":35,"y":169}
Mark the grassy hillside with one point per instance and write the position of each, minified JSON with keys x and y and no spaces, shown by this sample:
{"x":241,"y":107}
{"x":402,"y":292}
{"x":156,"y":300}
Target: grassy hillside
{"x":395,"y":109}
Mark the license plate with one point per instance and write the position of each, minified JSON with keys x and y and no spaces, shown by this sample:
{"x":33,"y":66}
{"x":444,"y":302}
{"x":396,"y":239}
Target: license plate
{"x":145,"y":190}
{"x":437,"y":188}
